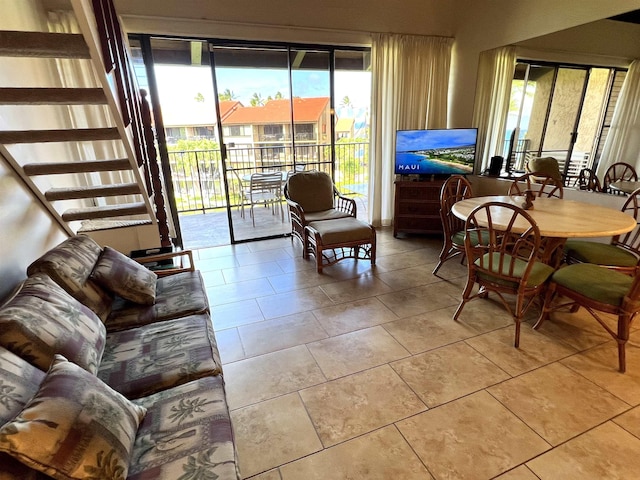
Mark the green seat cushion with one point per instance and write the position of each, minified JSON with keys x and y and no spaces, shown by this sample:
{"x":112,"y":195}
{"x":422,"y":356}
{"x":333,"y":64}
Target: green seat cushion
{"x":458,"y":238}
{"x":595,"y":282}
{"x":539,"y":273}
{"x":599,"y":253}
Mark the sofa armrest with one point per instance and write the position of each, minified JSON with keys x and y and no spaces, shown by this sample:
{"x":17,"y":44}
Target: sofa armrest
{"x":184,"y":262}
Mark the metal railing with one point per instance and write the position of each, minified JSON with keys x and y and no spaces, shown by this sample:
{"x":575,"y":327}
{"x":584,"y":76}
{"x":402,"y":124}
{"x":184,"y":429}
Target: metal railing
{"x":198,"y":174}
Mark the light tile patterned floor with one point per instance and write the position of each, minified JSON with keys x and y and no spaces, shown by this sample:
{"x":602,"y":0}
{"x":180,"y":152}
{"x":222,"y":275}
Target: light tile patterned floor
{"x":361,"y":373}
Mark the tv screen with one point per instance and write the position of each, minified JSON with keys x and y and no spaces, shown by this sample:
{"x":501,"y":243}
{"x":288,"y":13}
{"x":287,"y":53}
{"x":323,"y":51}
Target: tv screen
{"x":436,"y":151}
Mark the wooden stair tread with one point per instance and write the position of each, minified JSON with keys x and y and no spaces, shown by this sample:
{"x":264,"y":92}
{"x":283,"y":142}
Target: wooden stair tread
{"x":97,"y":225}
{"x":68,"y":193}
{"x":43,"y":45}
{"x":48,"y":136}
{"x":54,"y":168}
{"x":52,"y":96}
{"x":107,"y":211}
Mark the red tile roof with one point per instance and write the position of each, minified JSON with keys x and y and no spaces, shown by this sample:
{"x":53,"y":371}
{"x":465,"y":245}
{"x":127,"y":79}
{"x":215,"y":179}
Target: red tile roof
{"x":227,"y":107}
{"x":279,"y":111}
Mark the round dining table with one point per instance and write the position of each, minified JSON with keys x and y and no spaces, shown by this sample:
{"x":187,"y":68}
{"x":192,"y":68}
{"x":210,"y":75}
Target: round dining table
{"x":557,"y":220}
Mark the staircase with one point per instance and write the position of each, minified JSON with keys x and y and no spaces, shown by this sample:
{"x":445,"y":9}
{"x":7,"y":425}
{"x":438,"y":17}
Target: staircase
{"x":83,"y":151}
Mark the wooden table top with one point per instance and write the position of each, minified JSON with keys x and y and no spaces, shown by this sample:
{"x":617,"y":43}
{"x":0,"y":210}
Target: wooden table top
{"x":558,"y":217}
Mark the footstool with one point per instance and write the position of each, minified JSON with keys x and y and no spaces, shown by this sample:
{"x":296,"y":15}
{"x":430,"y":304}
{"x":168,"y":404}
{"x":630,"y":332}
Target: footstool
{"x":330,"y":241}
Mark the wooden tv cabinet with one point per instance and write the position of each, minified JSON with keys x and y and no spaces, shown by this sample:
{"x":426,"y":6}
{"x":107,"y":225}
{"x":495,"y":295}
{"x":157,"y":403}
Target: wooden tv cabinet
{"x":417,"y":207}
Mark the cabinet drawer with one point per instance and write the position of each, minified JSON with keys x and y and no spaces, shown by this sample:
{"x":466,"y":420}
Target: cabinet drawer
{"x":430,"y":223}
{"x":421,"y":193}
{"x":418,"y":208}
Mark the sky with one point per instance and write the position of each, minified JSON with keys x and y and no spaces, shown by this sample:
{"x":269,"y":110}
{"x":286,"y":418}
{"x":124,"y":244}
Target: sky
{"x":179,"y":85}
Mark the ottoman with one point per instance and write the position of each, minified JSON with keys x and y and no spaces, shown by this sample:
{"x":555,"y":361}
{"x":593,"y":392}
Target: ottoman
{"x":330,"y":241}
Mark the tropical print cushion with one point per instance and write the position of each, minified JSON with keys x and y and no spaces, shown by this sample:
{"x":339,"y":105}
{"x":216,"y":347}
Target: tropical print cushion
{"x":42,"y":320}
{"x":176,"y":296}
{"x":19,"y":381}
{"x":75,"y":427}
{"x":144,"y":360}
{"x":186,"y":434}
{"x":69,"y":265}
{"x":125,"y":277}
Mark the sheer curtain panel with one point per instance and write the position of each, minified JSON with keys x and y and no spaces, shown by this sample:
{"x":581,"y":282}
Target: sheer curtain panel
{"x":493,"y":91}
{"x":623,"y":141}
{"x":410,"y":87}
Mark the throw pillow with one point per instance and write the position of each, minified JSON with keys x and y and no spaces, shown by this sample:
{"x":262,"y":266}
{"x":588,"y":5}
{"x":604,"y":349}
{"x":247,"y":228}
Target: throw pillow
{"x":75,"y":427}
{"x":125,"y":277}
{"x":42,"y":319}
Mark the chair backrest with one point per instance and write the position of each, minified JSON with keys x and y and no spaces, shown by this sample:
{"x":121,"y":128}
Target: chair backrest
{"x":270,"y":182}
{"x":630,"y":240}
{"x":454,"y":189}
{"x":541,"y":184}
{"x":300,"y":167}
{"x":546,"y":165}
{"x":510,"y":243}
{"x":312,"y":190}
{"x":618,"y":171}
{"x":587,"y":180}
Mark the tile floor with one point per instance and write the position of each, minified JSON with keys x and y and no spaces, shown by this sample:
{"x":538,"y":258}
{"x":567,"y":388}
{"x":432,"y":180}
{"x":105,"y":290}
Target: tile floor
{"x":360,"y":373}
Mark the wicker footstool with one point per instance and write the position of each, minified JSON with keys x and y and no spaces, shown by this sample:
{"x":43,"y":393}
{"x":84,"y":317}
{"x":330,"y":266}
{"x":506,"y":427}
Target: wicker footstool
{"x":333,"y":240}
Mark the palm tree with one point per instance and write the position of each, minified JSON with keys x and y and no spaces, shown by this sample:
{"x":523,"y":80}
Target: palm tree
{"x":346,"y":102}
{"x":199,"y":98}
{"x":279,"y":95}
{"x":256,"y":100}
{"x":226,"y":95}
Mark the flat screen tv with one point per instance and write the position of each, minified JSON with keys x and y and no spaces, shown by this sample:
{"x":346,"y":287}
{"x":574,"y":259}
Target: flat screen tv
{"x":435,"y":151}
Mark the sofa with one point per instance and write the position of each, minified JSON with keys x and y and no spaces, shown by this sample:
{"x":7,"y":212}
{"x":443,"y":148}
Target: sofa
{"x":109,"y":371}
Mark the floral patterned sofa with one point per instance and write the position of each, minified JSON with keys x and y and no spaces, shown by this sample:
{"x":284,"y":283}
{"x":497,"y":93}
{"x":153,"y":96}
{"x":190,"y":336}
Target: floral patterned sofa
{"x":108,"y":371}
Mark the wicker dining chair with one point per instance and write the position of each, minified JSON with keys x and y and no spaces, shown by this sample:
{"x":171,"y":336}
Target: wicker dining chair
{"x":506,"y":262}
{"x":541,"y":184}
{"x":616,"y":172}
{"x":454,"y":189}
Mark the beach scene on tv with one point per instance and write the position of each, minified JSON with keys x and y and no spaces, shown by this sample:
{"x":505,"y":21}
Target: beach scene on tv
{"x":435,"y":152}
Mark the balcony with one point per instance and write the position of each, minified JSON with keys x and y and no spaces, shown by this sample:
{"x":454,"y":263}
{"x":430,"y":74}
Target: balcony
{"x":198,"y":182}
{"x":286,"y":137}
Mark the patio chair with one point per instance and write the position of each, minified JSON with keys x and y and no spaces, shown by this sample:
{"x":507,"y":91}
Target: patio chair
{"x":621,"y":254}
{"x":597,"y":290}
{"x":618,"y":171}
{"x":266,"y":189}
{"x":541,"y":184}
{"x":311,"y":197}
{"x":506,"y":262}
{"x":454,"y":189}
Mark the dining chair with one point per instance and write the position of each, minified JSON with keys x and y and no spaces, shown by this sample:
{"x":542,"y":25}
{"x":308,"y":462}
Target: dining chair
{"x":546,"y":165}
{"x":622,"y":253}
{"x":454,"y":189}
{"x":616,"y":172}
{"x":266,"y":189}
{"x":587,"y":180}
{"x":541,"y":184}
{"x":599,"y":291}
{"x":506,"y":262}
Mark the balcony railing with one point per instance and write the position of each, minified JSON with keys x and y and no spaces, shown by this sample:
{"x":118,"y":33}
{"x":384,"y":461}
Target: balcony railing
{"x":198,"y":174}
{"x":281,"y":137}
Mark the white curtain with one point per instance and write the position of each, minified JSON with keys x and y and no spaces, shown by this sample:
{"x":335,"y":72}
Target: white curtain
{"x":493,"y":91}
{"x":409,"y":91}
{"x":623,"y":141}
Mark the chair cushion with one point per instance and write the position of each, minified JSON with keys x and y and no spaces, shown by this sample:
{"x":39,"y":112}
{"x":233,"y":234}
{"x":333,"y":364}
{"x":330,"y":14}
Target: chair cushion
{"x":177,"y":295}
{"x":19,"y":382}
{"x":74,"y":427}
{"x":42,"y":320}
{"x":458,"y":238}
{"x":342,"y":230}
{"x":186,"y":434}
{"x":313,"y":190}
{"x":592,"y":281}
{"x":141,"y":361}
{"x":547,"y":165}
{"x":540,"y":272}
{"x":125,"y":277}
{"x":599,"y":253}
{"x":325,"y":215}
{"x":70,"y":265}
